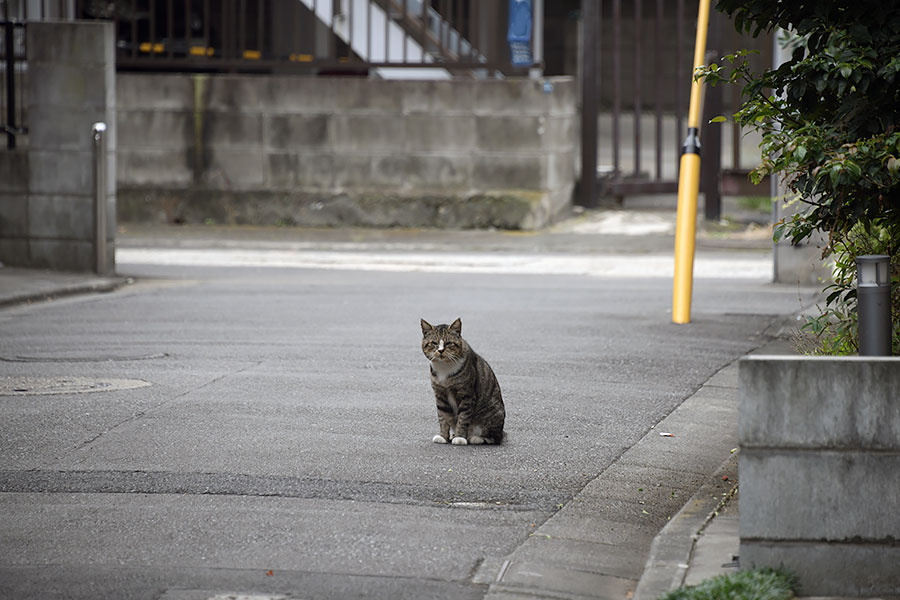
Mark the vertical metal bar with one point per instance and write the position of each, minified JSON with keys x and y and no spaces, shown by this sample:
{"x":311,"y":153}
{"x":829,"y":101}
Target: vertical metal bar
{"x":711,"y":133}
{"x":638,"y":25}
{"x":152,"y":39}
{"x":657,"y":92}
{"x":589,"y":71}
{"x":474,"y":42}
{"x":350,"y":13}
{"x":98,"y":133}
{"x":241,"y":22}
{"x":187,"y":28}
{"x":9,"y":50}
{"x":260,"y":19}
{"x":315,"y":28}
{"x":134,"y":40}
{"x":424,"y":27}
{"x":617,"y":83}
{"x":369,"y":31}
{"x":387,"y":29}
{"x":458,"y":25}
{"x":679,"y":54}
{"x":405,"y":33}
{"x":170,"y":26}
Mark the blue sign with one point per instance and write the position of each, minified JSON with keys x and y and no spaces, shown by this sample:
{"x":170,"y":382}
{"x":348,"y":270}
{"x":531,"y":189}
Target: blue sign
{"x":519,"y":32}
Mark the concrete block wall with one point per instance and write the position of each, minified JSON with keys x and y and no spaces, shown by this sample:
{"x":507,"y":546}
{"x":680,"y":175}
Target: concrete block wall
{"x":820,"y":471}
{"x":345,"y":151}
{"x":47,"y":189}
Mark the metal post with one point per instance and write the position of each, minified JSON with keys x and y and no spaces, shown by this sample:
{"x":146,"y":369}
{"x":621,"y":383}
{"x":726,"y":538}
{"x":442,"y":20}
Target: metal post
{"x":873,"y":293}
{"x":537,"y":40}
{"x":590,"y":40}
{"x":689,"y":184}
{"x":10,"y":50}
{"x":98,"y":133}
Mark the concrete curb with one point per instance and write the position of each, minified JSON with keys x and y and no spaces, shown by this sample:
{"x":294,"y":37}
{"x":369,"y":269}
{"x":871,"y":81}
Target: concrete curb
{"x":20,"y":288}
{"x":670,"y":554}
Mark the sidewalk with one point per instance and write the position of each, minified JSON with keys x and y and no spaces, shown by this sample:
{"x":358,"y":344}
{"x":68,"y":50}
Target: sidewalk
{"x":25,"y":286}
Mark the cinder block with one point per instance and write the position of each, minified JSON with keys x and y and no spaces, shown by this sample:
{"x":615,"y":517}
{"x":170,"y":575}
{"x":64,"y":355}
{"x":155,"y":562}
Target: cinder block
{"x":145,"y":91}
{"x":352,"y":170}
{"x":231,"y":130}
{"x":63,"y":172}
{"x":154,"y":167}
{"x":234,"y":93}
{"x":829,"y":570}
{"x":146,"y":129}
{"x":816,"y":402}
{"x":64,"y":255}
{"x":14,"y":171}
{"x":296,"y":132}
{"x":561,"y":133}
{"x":825,"y":495}
{"x":298,"y":95}
{"x":13,"y":214}
{"x":51,"y":128}
{"x":503,"y":171}
{"x":361,"y":133}
{"x":439,"y":133}
{"x":514,"y":96}
{"x":14,"y":252}
{"x":447,"y":172}
{"x":61,"y":217}
{"x":453,"y":97}
{"x":561,"y":96}
{"x":511,"y":133}
{"x":79,"y":43}
{"x":66,"y":86}
{"x":561,"y":170}
{"x":357,"y":95}
{"x":290,"y":170}
{"x":234,"y":169}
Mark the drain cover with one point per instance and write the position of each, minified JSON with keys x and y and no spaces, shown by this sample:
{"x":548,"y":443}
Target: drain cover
{"x":40,"y":386}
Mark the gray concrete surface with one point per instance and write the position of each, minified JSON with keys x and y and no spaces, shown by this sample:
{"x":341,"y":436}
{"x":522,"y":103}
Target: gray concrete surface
{"x":283,"y":444}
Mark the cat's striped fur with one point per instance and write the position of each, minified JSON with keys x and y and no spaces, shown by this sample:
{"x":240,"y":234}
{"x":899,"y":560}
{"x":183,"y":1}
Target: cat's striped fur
{"x":469,"y":404}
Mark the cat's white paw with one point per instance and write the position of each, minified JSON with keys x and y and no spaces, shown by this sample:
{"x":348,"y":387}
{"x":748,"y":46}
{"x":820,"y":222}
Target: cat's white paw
{"x":459,"y":441}
{"x":439,"y":439}
{"x":477,"y":439}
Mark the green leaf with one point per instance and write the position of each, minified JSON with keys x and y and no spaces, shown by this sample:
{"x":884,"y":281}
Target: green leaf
{"x":846,"y":72}
{"x":719,"y":119}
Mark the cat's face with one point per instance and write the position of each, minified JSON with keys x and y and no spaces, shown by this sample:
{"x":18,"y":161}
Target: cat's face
{"x":443,"y":344}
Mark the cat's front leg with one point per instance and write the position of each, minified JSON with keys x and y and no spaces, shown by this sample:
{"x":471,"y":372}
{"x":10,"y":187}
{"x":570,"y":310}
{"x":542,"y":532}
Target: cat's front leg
{"x":445,"y":420}
{"x":460,"y":437}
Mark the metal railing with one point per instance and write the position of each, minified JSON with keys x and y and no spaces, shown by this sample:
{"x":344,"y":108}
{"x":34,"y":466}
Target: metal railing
{"x":639,"y":50}
{"x":12,"y":88}
{"x":315,"y":36}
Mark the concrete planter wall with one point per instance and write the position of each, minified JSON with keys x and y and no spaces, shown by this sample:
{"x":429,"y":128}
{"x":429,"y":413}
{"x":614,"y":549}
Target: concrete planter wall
{"x":345,"y":151}
{"x":820,"y":471}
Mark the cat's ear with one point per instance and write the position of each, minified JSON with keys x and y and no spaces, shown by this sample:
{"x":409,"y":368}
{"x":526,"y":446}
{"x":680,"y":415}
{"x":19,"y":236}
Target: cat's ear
{"x":426,"y":326}
{"x":456,"y":326}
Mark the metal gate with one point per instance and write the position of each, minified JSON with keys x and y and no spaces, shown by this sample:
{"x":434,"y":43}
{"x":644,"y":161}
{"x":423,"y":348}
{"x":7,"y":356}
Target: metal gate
{"x":635,"y":83}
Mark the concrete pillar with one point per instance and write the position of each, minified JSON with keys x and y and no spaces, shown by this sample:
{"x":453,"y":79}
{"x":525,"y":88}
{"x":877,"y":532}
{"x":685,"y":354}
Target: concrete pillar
{"x":71,"y":86}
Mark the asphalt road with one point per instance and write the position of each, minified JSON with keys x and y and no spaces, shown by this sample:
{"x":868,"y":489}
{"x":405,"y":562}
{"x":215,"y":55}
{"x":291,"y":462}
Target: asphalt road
{"x":283,"y":444}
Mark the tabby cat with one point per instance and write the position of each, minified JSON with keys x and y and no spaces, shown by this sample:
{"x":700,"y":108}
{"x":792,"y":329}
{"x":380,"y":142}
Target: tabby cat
{"x":469,"y":404}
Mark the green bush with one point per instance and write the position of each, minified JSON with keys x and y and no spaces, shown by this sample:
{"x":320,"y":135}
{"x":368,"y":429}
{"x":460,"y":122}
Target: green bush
{"x":830,"y":124}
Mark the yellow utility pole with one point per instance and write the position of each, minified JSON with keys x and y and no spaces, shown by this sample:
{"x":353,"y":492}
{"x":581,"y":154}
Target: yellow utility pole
{"x":689,"y":185}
